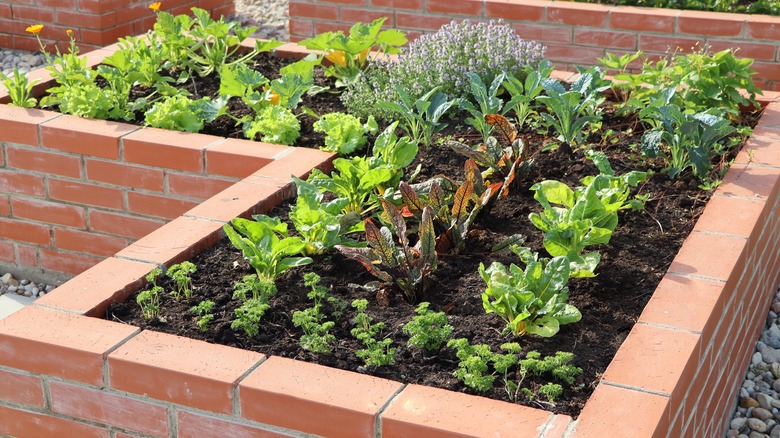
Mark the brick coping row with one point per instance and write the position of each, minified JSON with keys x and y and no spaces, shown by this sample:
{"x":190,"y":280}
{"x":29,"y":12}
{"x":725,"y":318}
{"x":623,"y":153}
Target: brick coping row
{"x":675,"y":367}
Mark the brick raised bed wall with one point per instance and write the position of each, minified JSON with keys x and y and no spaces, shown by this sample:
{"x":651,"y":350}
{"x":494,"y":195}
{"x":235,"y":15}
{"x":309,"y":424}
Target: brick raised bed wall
{"x":75,"y":191}
{"x":95,"y":23}
{"x":574,"y":33}
{"x":64,"y":372}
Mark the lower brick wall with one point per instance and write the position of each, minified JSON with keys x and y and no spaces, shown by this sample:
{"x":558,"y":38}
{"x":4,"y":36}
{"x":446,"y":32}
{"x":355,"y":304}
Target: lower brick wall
{"x":574,"y":33}
{"x":95,"y":23}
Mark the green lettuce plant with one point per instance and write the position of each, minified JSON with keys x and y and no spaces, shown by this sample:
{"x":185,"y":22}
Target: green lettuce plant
{"x":181,"y":113}
{"x":533,"y":300}
{"x":344,"y":133}
{"x":276,"y":124}
{"x":266,"y":244}
{"x":217,"y":42}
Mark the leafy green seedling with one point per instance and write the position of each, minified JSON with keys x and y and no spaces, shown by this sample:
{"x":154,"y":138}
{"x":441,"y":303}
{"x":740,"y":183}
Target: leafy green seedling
{"x":428,"y":330}
{"x":377,"y":353}
{"x":203,"y":311}
{"x":317,"y":337}
{"x":180,"y":273}
{"x":344,"y":133}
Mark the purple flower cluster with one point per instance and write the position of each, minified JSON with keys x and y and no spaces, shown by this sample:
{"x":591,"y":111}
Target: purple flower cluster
{"x":444,"y":59}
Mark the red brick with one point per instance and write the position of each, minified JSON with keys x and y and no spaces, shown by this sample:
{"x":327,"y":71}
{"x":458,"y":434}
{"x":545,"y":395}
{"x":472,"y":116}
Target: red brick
{"x":7,"y":252}
{"x":137,"y":177}
{"x":463,"y":7}
{"x":416,"y":21}
{"x":299,"y":162}
{"x":28,"y":255}
{"x":569,"y":53}
{"x":749,"y":181}
{"x":49,"y":212}
{"x":5,"y":12}
{"x":85,"y":20}
{"x":21,"y":388}
{"x":643,"y":19}
{"x":657,"y":43}
{"x":180,"y":370}
{"x":762,"y":27}
{"x":577,"y":14}
{"x":326,"y":26}
{"x":103,"y":407}
{"x":91,"y":292}
{"x":132,"y":14}
{"x":346,"y":2}
{"x":5,"y":205}
{"x":730,"y":258}
{"x":32,"y":424}
{"x":67,"y":263}
{"x":32,"y":14}
{"x":613,"y":408}
{"x":73,"y":351}
{"x":20,"y":125}
{"x":710,"y":24}
{"x":192,"y":425}
{"x":86,"y":242}
{"x":687,"y":303}
{"x":22,"y":231}
{"x":349,"y":15}
{"x":320,"y":12}
{"x":124,"y":225}
{"x":615,"y":40}
{"x":765,"y":52}
{"x":167,"y":149}
{"x":719,"y":215}
{"x":240,"y":199}
{"x":98,"y":138}
{"x":543,"y":33}
{"x":157,"y":206}
{"x":86,"y":194}
{"x":100,"y":6}
{"x":45,"y":162}
{"x":303,"y":28}
{"x":767,"y":70}
{"x":341,"y":403}
{"x":196,"y":186}
{"x":398,"y":4}
{"x":239,"y":158}
{"x":106,"y":36}
{"x":424,"y":411}
{"x":516,"y":10}
{"x":175,"y":242}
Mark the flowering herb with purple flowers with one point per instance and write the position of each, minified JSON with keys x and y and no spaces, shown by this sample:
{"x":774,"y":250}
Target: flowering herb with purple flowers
{"x":445,"y":59}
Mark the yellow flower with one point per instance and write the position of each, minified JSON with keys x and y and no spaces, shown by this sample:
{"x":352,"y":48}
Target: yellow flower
{"x":69,"y":32}
{"x":273,"y":97}
{"x":337,"y":57}
{"x":35,"y":29}
{"x":155,"y":6}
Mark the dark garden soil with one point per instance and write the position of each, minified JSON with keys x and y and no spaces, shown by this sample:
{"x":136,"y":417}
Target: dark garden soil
{"x":632,"y":264}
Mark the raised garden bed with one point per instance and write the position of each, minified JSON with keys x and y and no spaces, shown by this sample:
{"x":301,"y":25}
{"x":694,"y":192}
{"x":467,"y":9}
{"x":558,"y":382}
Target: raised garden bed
{"x":698,"y":324}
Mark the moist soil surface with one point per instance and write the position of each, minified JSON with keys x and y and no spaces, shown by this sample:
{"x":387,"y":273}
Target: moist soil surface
{"x":639,"y":253}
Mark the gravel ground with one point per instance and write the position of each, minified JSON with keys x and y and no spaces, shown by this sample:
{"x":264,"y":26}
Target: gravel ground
{"x":758,"y":411}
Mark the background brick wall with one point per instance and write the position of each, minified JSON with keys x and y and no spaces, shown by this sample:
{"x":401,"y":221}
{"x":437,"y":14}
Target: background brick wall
{"x":574,"y":33}
{"x":95,"y":23}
